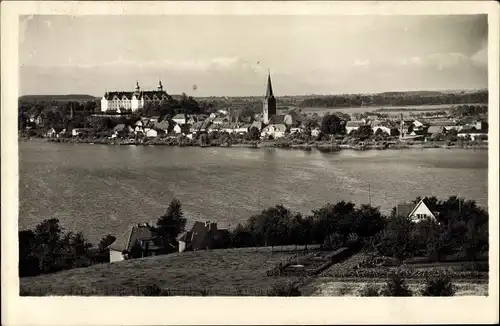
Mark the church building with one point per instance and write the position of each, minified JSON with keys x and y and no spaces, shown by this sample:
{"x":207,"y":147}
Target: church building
{"x":269,"y":102}
{"x":120,"y":100}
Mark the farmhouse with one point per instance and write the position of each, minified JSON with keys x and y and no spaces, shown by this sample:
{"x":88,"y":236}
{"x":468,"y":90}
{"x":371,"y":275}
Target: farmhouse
{"x":416,"y":213}
{"x":140,"y":234}
{"x":202,"y":236}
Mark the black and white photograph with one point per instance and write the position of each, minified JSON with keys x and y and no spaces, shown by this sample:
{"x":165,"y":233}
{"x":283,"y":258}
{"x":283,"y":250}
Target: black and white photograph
{"x":254,"y":155}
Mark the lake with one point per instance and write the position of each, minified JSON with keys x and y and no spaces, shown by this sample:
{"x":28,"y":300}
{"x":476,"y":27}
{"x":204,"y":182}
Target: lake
{"x":101,"y":189}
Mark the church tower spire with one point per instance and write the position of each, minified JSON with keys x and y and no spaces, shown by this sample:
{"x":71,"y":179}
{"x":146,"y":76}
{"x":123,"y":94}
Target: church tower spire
{"x":269,"y":102}
{"x":160,"y":86}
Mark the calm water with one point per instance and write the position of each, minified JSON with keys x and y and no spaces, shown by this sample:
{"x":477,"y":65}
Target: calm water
{"x":101,"y":189}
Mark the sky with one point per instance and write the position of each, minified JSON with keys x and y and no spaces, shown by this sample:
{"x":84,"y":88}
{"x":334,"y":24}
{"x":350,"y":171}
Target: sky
{"x":231,"y":55}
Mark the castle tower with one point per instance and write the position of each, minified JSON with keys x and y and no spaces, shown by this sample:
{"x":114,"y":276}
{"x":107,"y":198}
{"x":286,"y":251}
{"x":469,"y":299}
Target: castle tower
{"x":269,"y":102}
{"x":137,"y":87}
{"x":160,"y":86}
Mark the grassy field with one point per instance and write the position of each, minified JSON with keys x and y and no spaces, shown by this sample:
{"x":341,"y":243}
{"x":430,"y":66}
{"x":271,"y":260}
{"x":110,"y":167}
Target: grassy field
{"x":220,"y":272}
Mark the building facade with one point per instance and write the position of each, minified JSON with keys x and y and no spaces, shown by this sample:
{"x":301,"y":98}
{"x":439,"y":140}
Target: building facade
{"x":120,"y":100}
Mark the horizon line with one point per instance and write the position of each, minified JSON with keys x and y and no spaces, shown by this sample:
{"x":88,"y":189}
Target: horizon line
{"x":292,"y":95}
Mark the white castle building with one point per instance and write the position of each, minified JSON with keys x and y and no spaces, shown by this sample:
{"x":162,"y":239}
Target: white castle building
{"x":118,"y":101}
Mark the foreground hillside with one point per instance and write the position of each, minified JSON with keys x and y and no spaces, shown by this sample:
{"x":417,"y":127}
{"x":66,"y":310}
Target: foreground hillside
{"x":218,"y":272}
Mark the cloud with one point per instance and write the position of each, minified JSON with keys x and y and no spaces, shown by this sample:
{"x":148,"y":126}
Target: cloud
{"x":213,"y":65}
{"x":480,"y":58}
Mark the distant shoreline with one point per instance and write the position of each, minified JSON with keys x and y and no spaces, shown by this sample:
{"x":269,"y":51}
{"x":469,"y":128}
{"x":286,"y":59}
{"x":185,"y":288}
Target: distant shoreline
{"x":319,"y":145}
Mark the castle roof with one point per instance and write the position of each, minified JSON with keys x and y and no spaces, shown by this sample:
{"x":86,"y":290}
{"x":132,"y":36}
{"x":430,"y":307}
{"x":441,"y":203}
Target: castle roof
{"x":128,"y":95}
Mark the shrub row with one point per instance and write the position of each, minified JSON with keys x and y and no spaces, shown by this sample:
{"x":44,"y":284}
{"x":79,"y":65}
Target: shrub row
{"x":407,"y":273}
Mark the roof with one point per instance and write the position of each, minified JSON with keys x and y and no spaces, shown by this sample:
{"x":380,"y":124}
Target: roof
{"x":442,"y":123}
{"x":355,"y":123}
{"x":165,"y":125}
{"x":134,"y":233}
{"x":128,"y":95}
{"x":435,"y":129}
{"x":269,"y":89}
{"x":220,"y":119}
{"x":185,"y":236}
{"x":277,"y":119}
{"x":205,"y":124}
{"x":420,"y":203}
{"x":179,"y":116}
{"x":468,"y":129}
{"x":119,"y":127}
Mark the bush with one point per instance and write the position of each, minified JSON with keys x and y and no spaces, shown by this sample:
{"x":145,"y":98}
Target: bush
{"x":439,"y":287}
{"x":152,"y":291}
{"x":396,"y":287}
{"x":284,"y":290}
{"x":370,"y":290}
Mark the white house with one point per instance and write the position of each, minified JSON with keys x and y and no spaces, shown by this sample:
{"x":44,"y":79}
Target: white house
{"x":177,"y":129}
{"x":151,"y":133}
{"x":114,"y":101}
{"x":140,"y":233}
{"x":421,"y":212}
{"x":76,"y":132}
{"x":275,"y":130}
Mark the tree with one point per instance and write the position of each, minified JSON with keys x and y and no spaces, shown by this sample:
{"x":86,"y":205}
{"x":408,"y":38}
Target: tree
{"x":241,"y":237}
{"x":28,"y":262}
{"x":368,"y":221}
{"x":438,"y":287}
{"x":106,"y":241}
{"x":331,"y":124}
{"x":338,"y":218}
{"x":48,"y":240}
{"x":170,"y":225}
{"x":396,"y":287}
{"x":254,"y":133}
{"x":395,"y":241}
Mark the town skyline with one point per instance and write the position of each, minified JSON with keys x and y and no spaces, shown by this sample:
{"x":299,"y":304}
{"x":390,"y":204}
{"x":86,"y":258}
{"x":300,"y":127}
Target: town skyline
{"x":417,"y":53}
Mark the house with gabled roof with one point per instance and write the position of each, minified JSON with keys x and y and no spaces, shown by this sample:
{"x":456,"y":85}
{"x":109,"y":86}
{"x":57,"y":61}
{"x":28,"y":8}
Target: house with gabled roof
{"x":416,"y":213}
{"x":202,"y":236}
{"x":274,"y":130}
{"x":354,"y":125}
{"x":141,"y":234}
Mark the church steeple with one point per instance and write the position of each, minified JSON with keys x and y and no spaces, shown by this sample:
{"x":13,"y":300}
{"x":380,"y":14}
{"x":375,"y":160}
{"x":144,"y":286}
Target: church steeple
{"x":137,"y":87}
{"x":160,"y":86}
{"x":269,"y":102}
{"x":269,"y":91}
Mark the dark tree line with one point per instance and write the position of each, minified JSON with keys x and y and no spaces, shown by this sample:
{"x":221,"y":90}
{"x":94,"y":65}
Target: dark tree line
{"x":460,"y":229}
{"x":394,"y":99}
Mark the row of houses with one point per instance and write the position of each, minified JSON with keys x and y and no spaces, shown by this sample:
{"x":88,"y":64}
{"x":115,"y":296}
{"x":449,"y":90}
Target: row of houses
{"x":414,"y":129}
{"x":206,"y":235}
